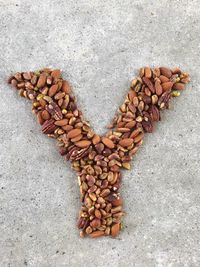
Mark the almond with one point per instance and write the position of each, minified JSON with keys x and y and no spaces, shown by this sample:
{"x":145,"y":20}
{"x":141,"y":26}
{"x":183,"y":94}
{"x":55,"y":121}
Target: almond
{"x":77,"y":138}
{"x":138,"y":138}
{"x":67,"y":128}
{"x":66,"y":87}
{"x":107,"y":142}
{"x":53,"y":89}
{"x":130,"y":124}
{"x":42,"y":80}
{"x":167,"y":86}
{"x":135,"y":132}
{"x":179,"y":86}
{"x":45,"y":115}
{"x":147,"y":72}
{"x":97,"y":234}
{"x":115,"y":229}
{"x":126,"y":142}
{"x":73,"y":133}
{"x":56,"y":74}
{"x":163,"y":79}
{"x":62,"y":122}
{"x":123,"y":130}
{"x":158,"y":88}
{"x":83,"y":143}
{"x":96,"y":139}
{"x":166,"y":72}
{"x":131,"y":95}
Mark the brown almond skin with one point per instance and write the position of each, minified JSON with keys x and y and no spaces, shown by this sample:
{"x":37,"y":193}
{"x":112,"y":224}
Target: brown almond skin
{"x":135,"y":133}
{"x":97,"y":234}
{"x":126,"y":142}
{"x":73,"y":133}
{"x":96,"y":139}
{"x":147,"y":72}
{"x":66,"y":87}
{"x":83,"y":143}
{"x":115,"y":229}
{"x":45,"y":115}
{"x":163,"y":79}
{"x":56,"y":74}
{"x":130,"y":124}
{"x":53,"y":90}
{"x":62,"y":122}
{"x":167,"y":86}
{"x":131,"y":95}
{"x":107,"y":142}
{"x":42,"y":80}
{"x":166,"y":72}
{"x":138,"y":138}
{"x":67,"y":128}
{"x":77,"y":138}
{"x":97,"y":214}
{"x":158,"y":88}
{"x":179,"y":86}
{"x":39,"y":118}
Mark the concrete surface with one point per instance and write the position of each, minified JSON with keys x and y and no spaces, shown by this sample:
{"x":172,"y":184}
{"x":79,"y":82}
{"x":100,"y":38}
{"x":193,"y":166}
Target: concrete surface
{"x":100,"y":45}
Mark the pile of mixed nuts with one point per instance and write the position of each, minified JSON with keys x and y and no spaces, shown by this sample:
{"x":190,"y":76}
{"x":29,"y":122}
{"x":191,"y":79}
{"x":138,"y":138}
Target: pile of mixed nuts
{"x":98,"y":159}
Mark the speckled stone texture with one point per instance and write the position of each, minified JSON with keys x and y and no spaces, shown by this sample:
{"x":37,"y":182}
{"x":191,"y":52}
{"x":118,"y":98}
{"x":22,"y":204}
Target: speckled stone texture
{"x":99,"y":45}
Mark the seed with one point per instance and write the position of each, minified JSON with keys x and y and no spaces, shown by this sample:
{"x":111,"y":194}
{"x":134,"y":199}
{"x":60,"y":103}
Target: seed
{"x":56,"y":74}
{"x":73,"y":133}
{"x":96,"y":139}
{"x":107,"y":142}
{"x":45,"y":115}
{"x":83,"y":143}
{"x":97,"y":234}
{"x":115,"y":229}
{"x":179,"y":86}
{"x":166,"y":72}
{"x":62,"y":122}
{"x":126,"y":142}
{"x":167,"y":86}
{"x":53,"y":89}
{"x":147,"y":72}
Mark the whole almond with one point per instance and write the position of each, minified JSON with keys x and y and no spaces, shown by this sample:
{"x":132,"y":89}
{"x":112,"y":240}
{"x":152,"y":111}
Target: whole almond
{"x":167,"y":86}
{"x":62,"y":122}
{"x":158,"y":88}
{"x":96,"y":139}
{"x":126,"y":142}
{"x":77,"y":138}
{"x":40,"y":118}
{"x":156,"y":72}
{"x":52,"y":90}
{"x":138,"y":138}
{"x":42,"y":80}
{"x":135,"y":132}
{"x":67,"y":128}
{"x":83,"y":143}
{"x":66,"y":87}
{"x":130,"y":124}
{"x":179,"y":86}
{"x":97,"y":214}
{"x":97,"y":234}
{"x":115,"y":229}
{"x":59,"y":95}
{"x":163,"y":79}
{"x":107,"y":142}
{"x":131,"y":95}
{"x":123,"y":130}
{"x":147,"y":72}
{"x":73,"y":133}
{"x":45,"y":115}
{"x":166,"y":72}
{"x":56,"y":74}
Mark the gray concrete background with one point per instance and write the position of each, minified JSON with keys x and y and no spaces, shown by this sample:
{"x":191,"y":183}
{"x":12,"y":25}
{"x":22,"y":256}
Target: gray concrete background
{"x":100,"y":45}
